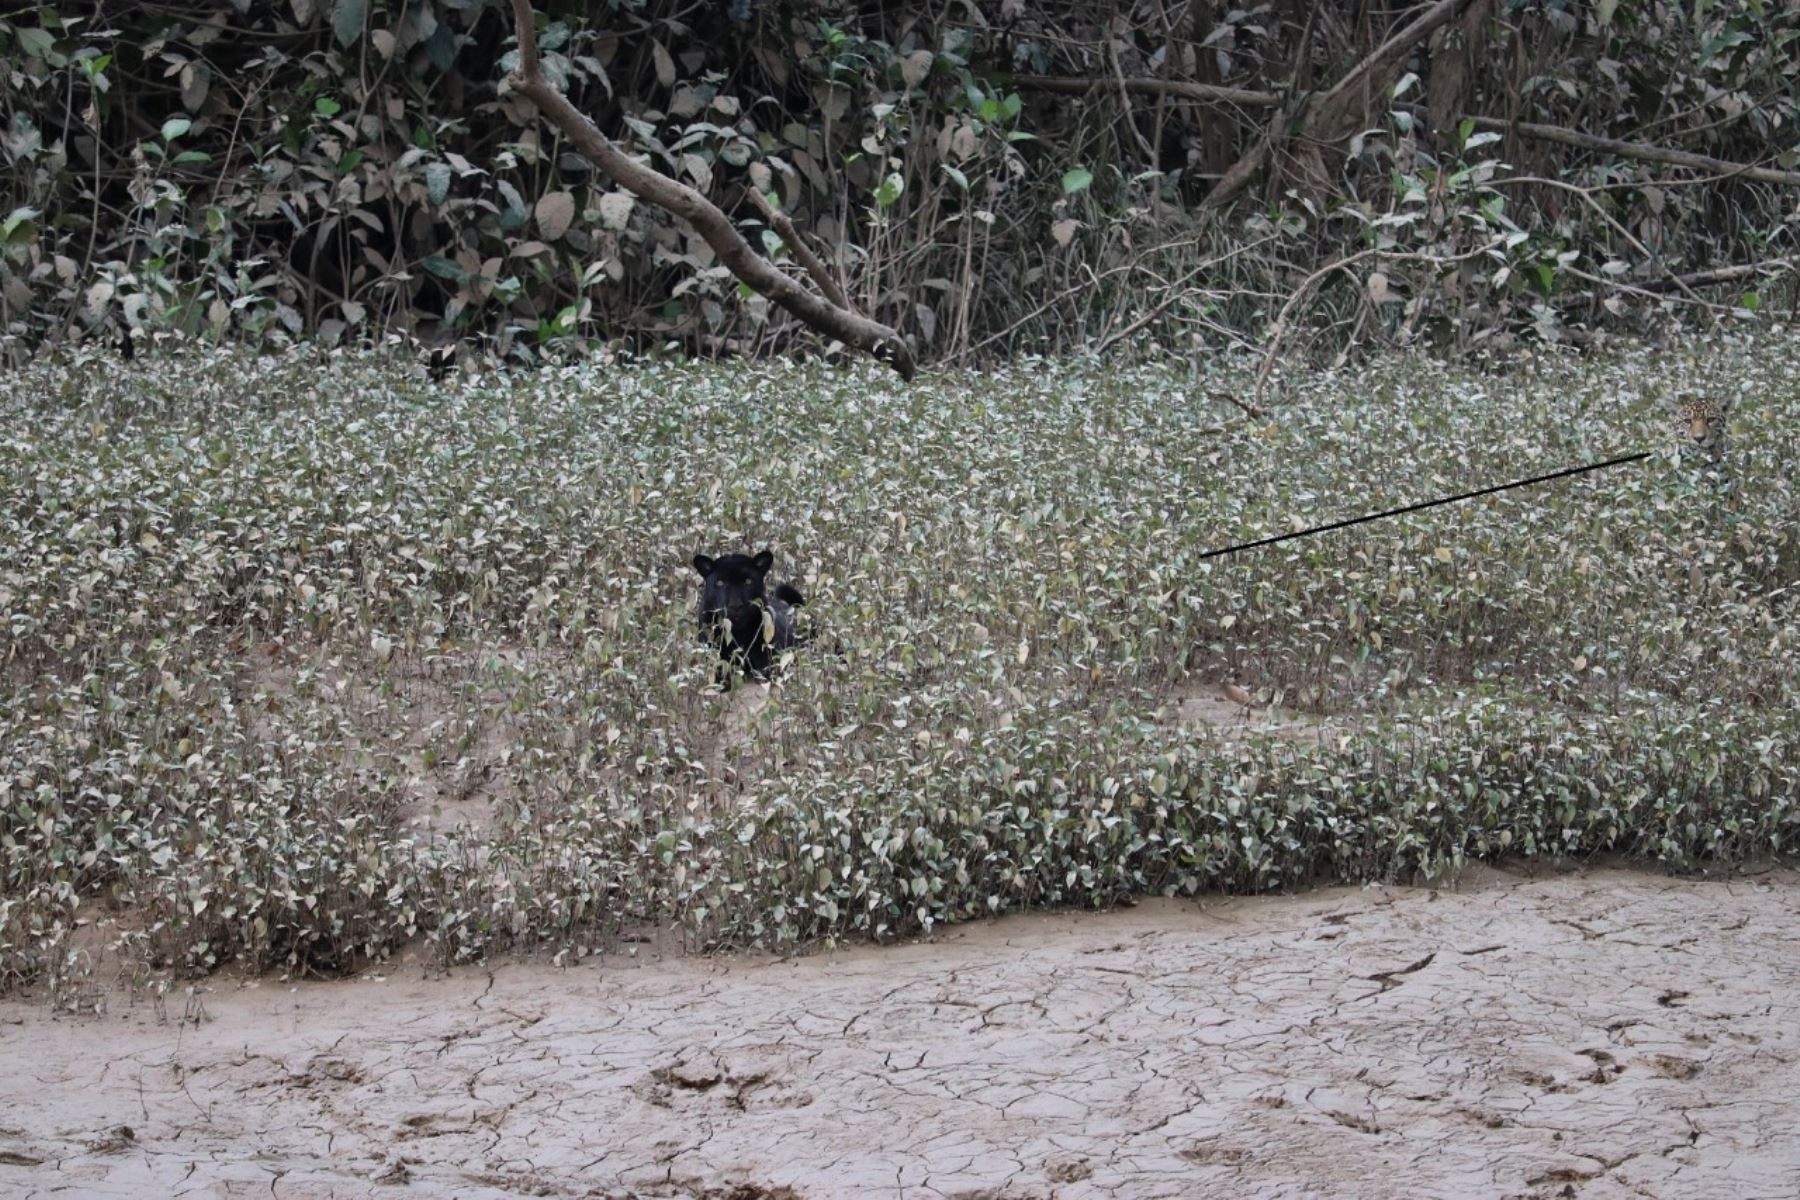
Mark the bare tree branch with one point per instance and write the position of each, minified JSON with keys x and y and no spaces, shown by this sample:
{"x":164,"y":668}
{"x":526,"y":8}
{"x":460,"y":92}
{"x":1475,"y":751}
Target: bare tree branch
{"x":1082,"y":85}
{"x":1718,"y":275}
{"x":1279,"y":329}
{"x":803,"y":254}
{"x":1766,"y":268}
{"x":1638,"y":151}
{"x":825,"y":315}
{"x":1179,"y":89}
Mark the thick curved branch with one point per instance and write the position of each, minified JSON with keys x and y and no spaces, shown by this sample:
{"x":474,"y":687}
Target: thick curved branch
{"x":755,"y":271}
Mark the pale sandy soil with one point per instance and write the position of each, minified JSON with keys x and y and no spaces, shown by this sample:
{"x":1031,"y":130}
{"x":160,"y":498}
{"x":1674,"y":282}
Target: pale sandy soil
{"x":1595,"y":1035}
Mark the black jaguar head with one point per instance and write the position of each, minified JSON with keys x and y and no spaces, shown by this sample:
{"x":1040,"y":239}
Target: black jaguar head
{"x":732,"y":591}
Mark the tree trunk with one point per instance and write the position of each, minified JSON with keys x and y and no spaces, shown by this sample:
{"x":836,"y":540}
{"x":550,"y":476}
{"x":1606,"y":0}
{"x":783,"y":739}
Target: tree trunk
{"x":1217,"y":131}
{"x":1454,"y":52}
{"x":1341,"y":111}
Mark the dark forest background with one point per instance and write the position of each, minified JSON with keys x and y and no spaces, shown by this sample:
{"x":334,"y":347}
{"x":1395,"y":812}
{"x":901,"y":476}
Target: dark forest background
{"x":988,"y":178}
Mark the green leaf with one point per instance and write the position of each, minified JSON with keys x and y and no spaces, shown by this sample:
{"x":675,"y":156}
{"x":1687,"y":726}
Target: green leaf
{"x":18,"y":225}
{"x":437,"y":181}
{"x":890,"y":190}
{"x":961,"y":180}
{"x":35,"y":42}
{"x":174,"y":127}
{"x":1751,"y":301}
{"x":325,"y":106}
{"x":440,"y":48}
{"x":443,"y":268}
{"x":347,"y":18}
{"x":191,"y":158}
{"x":1011,"y":106}
{"x":1076,"y":179}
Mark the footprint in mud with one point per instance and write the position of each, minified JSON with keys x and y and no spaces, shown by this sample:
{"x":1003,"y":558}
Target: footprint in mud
{"x":1671,"y":1067}
{"x":1487,"y":1120}
{"x":1606,"y":1067}
{"x":113,"y":1140}
{"x":1538,"y":1080}
{"x":1352,"y":1121}
{"x":746,"y":1081}
{"x":328,"y":1068}
{"x":1214,"y":1154}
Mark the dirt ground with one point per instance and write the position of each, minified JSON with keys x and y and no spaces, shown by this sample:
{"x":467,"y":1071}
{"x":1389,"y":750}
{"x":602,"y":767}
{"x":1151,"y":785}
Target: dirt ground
{"x":1595,"y":1035}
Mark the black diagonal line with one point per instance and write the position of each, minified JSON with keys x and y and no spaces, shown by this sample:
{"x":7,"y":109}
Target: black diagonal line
{"x":1394,"y":512}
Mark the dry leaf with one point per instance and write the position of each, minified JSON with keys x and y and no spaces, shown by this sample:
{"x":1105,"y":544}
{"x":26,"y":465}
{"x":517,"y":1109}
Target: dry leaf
{"x":916,"y":67}
{"x":833,"y":100}
{"x":615,"y":209}
{"x":963,"y":143}
{"x":555,"y":213}
{"x":196,"y":78}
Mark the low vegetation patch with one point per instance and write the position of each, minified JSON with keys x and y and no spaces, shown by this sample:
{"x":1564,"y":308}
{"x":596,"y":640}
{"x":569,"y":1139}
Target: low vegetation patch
{"x":303,"y":658}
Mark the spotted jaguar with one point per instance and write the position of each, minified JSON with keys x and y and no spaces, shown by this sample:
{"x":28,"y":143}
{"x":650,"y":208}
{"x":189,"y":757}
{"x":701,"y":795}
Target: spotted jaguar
{"x":1700,"y":428}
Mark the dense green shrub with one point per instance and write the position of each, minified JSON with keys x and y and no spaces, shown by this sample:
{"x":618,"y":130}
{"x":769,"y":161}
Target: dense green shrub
{"x":263,"y":615}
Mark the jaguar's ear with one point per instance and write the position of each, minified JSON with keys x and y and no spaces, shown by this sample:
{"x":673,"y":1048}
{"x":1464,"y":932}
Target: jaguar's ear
{"x":703,"y":564}
{"x":763,"y":561}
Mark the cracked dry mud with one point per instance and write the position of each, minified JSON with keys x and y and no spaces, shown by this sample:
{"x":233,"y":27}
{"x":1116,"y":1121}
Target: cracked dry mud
{"x":1599,"y":1034}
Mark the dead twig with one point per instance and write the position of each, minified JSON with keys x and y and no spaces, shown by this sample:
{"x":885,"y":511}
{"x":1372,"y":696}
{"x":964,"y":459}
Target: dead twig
{"x":1279,"y":329}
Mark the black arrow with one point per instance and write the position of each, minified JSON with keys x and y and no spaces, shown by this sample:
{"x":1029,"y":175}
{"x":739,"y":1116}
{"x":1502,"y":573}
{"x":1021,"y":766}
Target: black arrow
{"x":1394,"y":512}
